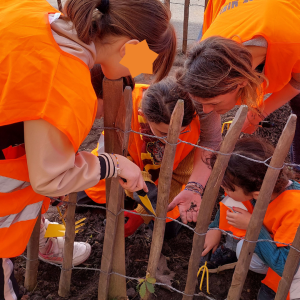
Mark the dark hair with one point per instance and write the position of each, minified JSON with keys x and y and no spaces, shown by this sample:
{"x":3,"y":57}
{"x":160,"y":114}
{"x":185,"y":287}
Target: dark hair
{"x":137,"y":19}
{"x":160,"y":99}
{"x":97,"y":77}
{"x":247,"y":174}
{"x":216,"y":66}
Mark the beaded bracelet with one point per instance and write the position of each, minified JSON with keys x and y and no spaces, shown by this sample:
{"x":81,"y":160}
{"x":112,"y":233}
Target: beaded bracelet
{"x":117,"y":169}
{"x":195,"y":187}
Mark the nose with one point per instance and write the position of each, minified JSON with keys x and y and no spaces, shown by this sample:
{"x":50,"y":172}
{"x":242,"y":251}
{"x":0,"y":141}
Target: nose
{"x":207,"y":108}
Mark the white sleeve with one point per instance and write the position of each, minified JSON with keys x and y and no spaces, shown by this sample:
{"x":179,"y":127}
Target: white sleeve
{"x":54,"y":168}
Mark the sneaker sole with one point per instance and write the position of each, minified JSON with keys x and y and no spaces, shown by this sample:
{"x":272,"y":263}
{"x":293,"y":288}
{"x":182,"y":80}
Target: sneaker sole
{"x":223,"y":268}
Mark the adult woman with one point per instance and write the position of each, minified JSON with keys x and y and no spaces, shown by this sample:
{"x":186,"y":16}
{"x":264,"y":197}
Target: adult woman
{"x":47,"y":101}
{"x":245,"y":53}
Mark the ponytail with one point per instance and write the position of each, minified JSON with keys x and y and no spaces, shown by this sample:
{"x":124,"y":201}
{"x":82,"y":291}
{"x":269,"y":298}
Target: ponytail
{"x":136,"y":19}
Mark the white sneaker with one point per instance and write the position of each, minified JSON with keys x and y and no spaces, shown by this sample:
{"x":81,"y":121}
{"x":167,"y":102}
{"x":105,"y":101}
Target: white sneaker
{"x":51,"y":249}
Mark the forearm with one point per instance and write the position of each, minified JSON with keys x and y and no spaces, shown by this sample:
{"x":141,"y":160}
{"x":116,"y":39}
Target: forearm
{"x":279,"y":98}
{"x":273,"y":256}
{"x":54,"y":168}
{"x":201,"y":170}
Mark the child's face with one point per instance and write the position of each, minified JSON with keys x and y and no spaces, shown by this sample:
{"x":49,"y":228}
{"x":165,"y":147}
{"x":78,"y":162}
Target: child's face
{"x":238,"y":194}
{"x":161,"y":129}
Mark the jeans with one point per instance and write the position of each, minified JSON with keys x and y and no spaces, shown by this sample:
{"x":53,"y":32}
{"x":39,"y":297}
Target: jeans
{"x":295,"y":147}
{"x":171,"y":231}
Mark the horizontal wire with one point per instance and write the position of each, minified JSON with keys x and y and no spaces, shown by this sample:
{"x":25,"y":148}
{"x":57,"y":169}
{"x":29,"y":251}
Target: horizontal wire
{"x":164,"y":138}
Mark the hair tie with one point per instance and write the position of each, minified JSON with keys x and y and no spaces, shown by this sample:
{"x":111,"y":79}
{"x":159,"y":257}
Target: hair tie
{"x":103,"y":7}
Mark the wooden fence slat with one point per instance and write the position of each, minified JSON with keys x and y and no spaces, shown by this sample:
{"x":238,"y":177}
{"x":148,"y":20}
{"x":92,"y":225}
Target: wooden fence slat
{"x":290,"y":268}
{"x":32,"y":262}
{"x":260,"y":209}
{"x":113,"y":257}
{"x":185,"y":25}
{"x":164,"y":184}
{"x":66,"y":271}
{"x":209,"y":199}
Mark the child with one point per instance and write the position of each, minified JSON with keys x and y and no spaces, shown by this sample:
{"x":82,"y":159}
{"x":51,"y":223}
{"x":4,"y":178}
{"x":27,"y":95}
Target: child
{"x":242,"y":182}
{"x":152,"y":109}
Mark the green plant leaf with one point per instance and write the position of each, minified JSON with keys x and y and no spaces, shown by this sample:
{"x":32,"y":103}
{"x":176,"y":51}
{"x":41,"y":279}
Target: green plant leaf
{"x":151,"y":280}
{"x":143,"y":290}
{"x":150,"y":287}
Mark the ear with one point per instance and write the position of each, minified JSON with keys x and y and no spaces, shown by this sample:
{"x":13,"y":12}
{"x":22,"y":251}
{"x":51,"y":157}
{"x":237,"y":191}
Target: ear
{"x":243,"y":84}
{"x":131,"y":42}
{"x":141,"y":113}
{"x":255,"y":195}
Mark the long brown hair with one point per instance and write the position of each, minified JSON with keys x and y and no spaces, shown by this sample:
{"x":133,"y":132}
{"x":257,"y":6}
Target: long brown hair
{"x":160,"y":100}
{"x":216,"y":66}
{"x":137,"y":19}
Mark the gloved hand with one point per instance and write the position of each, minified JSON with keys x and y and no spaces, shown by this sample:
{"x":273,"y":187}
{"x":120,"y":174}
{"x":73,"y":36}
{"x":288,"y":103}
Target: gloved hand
{"x":133,"y":223}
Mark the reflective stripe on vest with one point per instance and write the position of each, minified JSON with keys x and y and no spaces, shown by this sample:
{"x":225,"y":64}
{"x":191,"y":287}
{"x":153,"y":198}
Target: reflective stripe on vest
{"x":30,"y":212}
{"x":9,"y":185}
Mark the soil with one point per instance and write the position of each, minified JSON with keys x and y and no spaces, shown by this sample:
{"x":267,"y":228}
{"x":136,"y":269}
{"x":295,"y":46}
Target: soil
{"x":177,"y":251}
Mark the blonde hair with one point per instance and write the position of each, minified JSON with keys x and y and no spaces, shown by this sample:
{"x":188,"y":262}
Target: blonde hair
{"x":216,"y":66}
{"x":137,"y":19}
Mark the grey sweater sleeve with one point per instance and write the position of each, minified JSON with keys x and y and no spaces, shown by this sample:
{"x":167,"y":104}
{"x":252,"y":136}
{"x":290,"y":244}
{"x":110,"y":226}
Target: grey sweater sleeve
{"x":210,"y":127}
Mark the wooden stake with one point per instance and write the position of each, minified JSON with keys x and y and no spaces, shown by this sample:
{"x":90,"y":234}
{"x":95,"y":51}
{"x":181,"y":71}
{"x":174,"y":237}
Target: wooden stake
{"x":290,"y":269}
{"x":66,"y":271}
{"x":32,"y":262}
{"x":164,"y":184}
{"x":114,"y":286}
{"x":260,"y":209}
{"x":185,"y":25}
{"x":209,"y":199}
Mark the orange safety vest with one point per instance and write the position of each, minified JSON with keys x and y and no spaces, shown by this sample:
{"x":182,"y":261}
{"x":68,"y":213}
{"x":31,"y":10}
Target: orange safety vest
{"x":97,"y":193}
{"x":38,"y":81}
{"x":211,"y":11}
{"x":277,"y":21}
{"x":281,"y":220}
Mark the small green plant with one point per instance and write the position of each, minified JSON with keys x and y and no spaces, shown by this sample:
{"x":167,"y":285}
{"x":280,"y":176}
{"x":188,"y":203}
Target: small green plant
{"x":146,"y":284}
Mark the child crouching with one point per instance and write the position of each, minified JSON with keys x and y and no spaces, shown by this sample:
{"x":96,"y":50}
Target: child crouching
{"x":242,"y":182}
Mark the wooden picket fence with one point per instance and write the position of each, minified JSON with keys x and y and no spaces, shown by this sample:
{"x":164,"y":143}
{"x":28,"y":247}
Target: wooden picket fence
{"x":118,"y":112}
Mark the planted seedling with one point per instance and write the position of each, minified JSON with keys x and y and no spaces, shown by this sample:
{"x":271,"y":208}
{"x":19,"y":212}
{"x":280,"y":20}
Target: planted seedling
{"x":146,"y":284}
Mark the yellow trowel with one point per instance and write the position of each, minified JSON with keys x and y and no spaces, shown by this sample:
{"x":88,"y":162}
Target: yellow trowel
{"x":145,"y":202}
{"x":58,"y":230}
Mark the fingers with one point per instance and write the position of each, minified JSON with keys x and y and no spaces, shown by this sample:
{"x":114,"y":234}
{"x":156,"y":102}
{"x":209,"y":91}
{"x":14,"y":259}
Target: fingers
{"x":145,"y":188}
{"x":240,"y":210}
{"x":173,"y":204}
{"x":205,"y":251}
{"x":183,"y":215}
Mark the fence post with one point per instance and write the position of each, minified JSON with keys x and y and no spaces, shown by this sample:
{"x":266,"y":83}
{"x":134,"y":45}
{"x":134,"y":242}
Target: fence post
{"x":113,"y":257}
{"x":260,"y":209}
{"x":185,"y":25}
{"x":164,"y":184}
{"x":66,"y":271}
{"x":32,"y":262}
{"x":209,"y":199}
{"x":290,"y":269}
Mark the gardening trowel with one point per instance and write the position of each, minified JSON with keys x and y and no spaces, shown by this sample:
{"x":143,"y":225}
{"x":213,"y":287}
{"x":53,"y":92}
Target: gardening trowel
{"x":145,"y":201}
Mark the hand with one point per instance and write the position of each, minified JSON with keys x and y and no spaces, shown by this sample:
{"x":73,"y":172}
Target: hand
{"x":133,"y":223}
{"x":212,"y":241}
{"x":251,"y":123}
{"x":132,"y":173}
{"x":188,"y":203}
{"x":240,"y":219}
{"x":53,"y":200}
